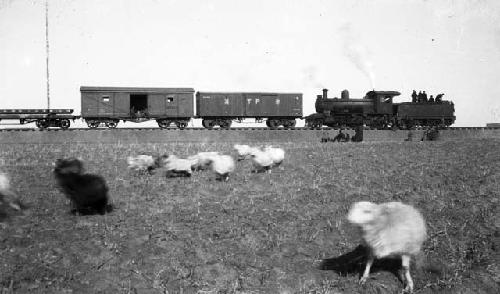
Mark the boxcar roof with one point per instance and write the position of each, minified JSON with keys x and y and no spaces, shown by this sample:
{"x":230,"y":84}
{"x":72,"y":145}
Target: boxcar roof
{"x":254,"y":93}
{"x":135,"y":90}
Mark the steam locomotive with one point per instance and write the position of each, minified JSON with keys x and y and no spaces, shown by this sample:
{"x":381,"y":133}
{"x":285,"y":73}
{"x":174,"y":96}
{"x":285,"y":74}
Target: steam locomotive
{"x":107,"y":106}
{"x":377,"y":110}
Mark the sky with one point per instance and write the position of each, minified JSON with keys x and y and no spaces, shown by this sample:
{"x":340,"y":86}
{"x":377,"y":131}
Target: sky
{"x":440,"y":46}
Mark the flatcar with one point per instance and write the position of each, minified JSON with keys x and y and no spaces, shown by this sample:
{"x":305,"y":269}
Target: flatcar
{"x":43,"y":118}
{"x":377,"y":110}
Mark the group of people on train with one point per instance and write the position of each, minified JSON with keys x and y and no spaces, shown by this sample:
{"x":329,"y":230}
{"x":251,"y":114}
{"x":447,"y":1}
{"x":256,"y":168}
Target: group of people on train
{"x":422,"y":97}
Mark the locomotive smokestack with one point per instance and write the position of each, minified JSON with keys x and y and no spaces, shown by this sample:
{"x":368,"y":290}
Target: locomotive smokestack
{"x":325,"y":93}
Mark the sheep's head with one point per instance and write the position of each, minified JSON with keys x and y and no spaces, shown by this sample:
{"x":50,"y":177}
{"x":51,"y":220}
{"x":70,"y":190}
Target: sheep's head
{"x":363,"y":212}
{"x":70,"y":165}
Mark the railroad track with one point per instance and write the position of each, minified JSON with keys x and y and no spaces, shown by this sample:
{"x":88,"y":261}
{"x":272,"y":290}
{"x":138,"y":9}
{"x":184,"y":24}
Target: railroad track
{"x":203,"y":129}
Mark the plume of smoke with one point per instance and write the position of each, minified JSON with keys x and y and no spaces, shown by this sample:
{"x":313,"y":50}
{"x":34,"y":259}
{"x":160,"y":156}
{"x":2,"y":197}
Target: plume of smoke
{"x":357,"y":53}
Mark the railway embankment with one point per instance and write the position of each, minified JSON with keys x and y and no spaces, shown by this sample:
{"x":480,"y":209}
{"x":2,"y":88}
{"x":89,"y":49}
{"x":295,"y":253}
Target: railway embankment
{"x":155,"y":135}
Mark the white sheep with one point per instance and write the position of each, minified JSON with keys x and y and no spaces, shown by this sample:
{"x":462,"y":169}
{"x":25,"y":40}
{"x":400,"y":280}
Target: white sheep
{"x":262,"y":161}
{"x":202,"y":160}
{"x":176,"y":166}
{"x":244,"y":151}
{"x":142,"y":163}
{"x":277,"y":154}
{"x":389,"y":229}
{"x":222,"y":165}
{"x":7,"y":196}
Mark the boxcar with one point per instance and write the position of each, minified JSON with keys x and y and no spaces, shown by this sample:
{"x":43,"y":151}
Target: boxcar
{"x":221,"y":108}
{"x":109,"y":105}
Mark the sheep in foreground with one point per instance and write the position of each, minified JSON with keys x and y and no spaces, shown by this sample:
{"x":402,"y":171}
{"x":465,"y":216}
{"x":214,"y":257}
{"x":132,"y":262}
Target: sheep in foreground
{"x":88,"y":193}
{"x":262,"y":161}
{"x":276,"y":154}
{"x":389,"y":229}
{"x":177,"y":167}
{"x":222,"y":165}
{"x":202,"y":160}
{"x":143,"y":163}
{"x":8,"y":199}
{"x":244,"y":151}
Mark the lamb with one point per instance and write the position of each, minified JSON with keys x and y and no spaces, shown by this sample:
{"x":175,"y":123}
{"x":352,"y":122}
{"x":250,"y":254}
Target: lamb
{"x":176,"y":166}
{"x":277,"y":154}
{"x":222,"y":165}
{"x":88,"y":193}
{"x":143,"y":163}
{"x":389,"y":229}
{"x":262,"y":161}
{"x":244,"y":151}
{"x":202,"y":160}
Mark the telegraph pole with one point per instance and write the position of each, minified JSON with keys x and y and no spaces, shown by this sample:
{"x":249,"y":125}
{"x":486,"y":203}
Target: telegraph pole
{"x":47,"y":49}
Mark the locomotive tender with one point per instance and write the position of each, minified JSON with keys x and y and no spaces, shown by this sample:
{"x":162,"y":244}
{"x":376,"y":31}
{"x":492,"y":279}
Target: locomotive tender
{"x":107,"y":106}
{"x":378,"y":110}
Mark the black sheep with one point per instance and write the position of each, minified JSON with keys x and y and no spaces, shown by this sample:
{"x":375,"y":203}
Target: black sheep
{"x":88,"y":193}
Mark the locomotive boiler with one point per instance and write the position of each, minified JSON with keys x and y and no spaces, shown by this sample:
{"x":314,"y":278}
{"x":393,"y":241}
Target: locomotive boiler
{"x":374,"y":109}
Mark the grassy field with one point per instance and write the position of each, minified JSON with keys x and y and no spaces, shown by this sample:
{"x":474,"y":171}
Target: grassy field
{"x":284,"y":232}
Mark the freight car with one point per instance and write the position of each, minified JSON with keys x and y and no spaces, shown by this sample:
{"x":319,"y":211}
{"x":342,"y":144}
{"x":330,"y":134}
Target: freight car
{"x":221,"y":108}
{"x":43,"y":118}
{"x":377,"y":110}
{"x":109,"y":105}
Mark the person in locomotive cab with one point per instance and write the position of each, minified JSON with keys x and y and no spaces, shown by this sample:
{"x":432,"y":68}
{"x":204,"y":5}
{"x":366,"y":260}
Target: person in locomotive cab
{"x":431,"y":99}
{"x":414,"y":96}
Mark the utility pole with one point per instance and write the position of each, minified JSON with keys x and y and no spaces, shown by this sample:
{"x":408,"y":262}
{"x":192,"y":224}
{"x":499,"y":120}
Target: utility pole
{"x":47,"y":49}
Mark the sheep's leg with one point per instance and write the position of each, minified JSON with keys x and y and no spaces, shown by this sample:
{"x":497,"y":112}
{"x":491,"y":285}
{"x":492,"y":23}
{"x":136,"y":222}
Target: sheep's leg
{"x":406,"y":268}
{"x":366,"y":273}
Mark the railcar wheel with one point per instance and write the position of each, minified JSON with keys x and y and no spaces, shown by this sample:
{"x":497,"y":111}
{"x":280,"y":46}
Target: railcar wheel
{"x":163,"y":123}
{"x":226,"y":124}
{"x":181,"y":124}
{"x":289,"y":124}
{"x":65,"y":124}
{"x":42,"y":124}
{"x":112,"y":124}
{"x":93,"y":124}
{"x":272,"y":123}
{"x":208,"y":124}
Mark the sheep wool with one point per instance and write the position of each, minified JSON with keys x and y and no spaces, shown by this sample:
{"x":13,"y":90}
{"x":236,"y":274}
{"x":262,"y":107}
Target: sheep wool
{"x":389,"y":229}
{"x":276,"y":154}
{"x":223,"y":165}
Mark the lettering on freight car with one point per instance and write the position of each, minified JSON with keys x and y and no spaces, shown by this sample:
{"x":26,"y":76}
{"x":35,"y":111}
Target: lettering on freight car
{"x":226,"y":101}
{"x":249,"y":100}
{"x":257,"y":100}
{"x":206,"y":97}
{"x":278,"y":101}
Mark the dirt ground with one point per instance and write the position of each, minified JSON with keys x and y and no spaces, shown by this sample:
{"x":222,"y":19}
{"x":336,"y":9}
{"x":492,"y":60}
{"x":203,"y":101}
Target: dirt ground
{"x":284,"y":232}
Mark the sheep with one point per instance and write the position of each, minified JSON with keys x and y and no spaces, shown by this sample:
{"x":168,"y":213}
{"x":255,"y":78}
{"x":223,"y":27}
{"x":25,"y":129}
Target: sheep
{"x":222,"y":165}
{"x":389,"y":229}
{"x":202,"y":160}
{"x":143,"y":163}
{"x":177,"y":166}
{"x":8,"y":199}
{"x":277,"y":154}
{"x":244,"y":151}
{"x":262,"y":161}
{"x":88,"y":193}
